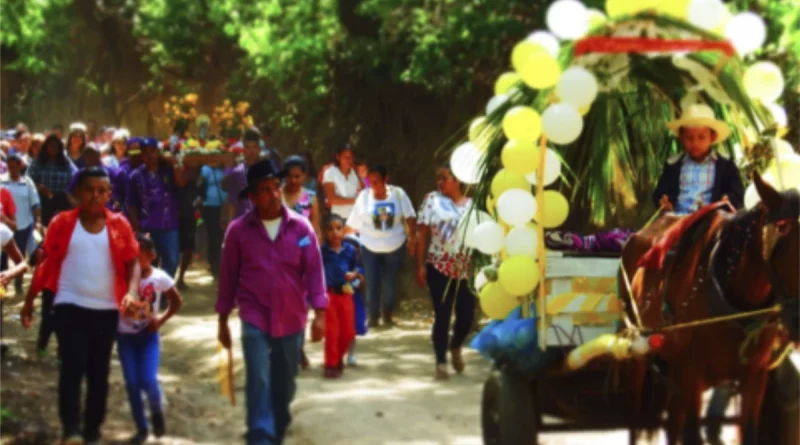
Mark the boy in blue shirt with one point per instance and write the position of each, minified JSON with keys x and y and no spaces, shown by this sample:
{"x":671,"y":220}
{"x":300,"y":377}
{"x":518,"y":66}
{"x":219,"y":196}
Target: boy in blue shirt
{"x":341,"y":277}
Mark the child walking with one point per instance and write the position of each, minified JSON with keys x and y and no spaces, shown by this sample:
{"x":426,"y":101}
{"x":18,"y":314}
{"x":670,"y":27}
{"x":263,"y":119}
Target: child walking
{"x":341,"y":277}
{"x":137,"y":340}
{"x":359,"y":304}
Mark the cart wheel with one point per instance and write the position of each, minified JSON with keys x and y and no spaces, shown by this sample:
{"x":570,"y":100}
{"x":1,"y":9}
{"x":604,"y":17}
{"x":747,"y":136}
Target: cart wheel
{"x":508,"y":414}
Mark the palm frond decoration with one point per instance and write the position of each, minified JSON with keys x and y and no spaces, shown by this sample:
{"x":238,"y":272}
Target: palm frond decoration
{"x":615,"y":163}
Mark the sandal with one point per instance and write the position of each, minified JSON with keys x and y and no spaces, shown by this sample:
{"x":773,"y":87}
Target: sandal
{"x":441,"y":372}
{"x":456,"y":360}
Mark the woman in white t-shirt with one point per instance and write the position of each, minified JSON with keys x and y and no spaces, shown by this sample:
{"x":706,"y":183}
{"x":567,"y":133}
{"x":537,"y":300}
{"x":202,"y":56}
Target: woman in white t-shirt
{"x":444,"y":267}
{"x":382,"y":214}
{"x":341,"y":183}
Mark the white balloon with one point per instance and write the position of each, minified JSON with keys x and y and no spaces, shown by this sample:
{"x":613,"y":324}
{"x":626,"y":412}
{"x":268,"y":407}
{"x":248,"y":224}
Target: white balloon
{"x":516,"y":206}
{"x":562,"y":123}
{"x":489,"y":237}
{"x":568,"y":19}
{"x":706,"y":14}
{"x":547,"y":40}
{"x":465,"y":162}
{"x":577,"y":86}
{"x":465,"y":233}
{"x":495,"y":103}
{"x":764,"y":81}
{"x":746,"y":32}
{"x":778,"y":114}
{"x":522,"y":240}
{"x":552,"y":169}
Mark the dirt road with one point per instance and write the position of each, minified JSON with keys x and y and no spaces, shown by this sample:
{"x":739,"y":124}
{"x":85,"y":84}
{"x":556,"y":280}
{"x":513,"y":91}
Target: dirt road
{"x":390,"y":399}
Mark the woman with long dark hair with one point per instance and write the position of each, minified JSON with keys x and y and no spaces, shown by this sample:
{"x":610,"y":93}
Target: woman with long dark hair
{"x":445,"y":269}
{"x":341,"y":182}
{"x":52,"y":172}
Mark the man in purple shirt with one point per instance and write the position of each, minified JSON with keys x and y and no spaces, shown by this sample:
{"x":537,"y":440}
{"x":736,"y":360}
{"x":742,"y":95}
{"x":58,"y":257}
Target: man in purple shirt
{"x":236,"y":178}
{"x":152,"y":202}
{"x":271,"y":268}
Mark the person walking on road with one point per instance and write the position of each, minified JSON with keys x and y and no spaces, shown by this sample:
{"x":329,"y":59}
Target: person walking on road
{"x":271,"y":268}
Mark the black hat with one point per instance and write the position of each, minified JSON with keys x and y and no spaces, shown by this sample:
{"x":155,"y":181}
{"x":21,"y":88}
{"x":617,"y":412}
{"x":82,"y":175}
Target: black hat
{"x":258,"y":172}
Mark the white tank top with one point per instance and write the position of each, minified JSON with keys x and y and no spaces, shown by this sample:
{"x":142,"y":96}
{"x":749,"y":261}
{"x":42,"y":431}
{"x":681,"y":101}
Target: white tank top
{"x":87,"y":273}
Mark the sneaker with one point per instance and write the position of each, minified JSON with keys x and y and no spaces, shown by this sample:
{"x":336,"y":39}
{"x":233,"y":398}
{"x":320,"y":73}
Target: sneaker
{"x":351,"y":360}
{"x":139,"y":439}
{"x":332,"y":373}
{"x":159,"y":427}
{"x":73,"y":440}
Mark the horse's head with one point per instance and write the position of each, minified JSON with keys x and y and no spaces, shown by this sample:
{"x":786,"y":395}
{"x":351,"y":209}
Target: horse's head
{"x":780,"y":246}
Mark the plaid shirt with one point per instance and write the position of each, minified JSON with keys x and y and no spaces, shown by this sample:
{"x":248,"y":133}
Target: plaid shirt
{"x":697,"y":182}
{"x":53,"y":176}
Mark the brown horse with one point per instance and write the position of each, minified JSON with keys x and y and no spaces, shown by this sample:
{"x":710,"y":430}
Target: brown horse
{"x":711,"y":264}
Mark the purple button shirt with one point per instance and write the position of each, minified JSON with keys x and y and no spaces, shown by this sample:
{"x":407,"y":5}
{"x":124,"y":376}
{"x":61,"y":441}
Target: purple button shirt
{"x":236,"y":180}
{"x":269,"y":280}
{"x":155,"y":197}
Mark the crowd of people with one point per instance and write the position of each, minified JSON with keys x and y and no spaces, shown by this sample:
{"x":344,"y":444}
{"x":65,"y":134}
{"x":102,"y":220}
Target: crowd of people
{"x":109,"y":220}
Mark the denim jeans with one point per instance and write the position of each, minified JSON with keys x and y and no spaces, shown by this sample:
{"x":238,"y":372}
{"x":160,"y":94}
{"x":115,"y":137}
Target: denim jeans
{"x":271,"y":366}
{"x":139,"y":357}
{"x":382,"y":270}
{"x":167,"y":248}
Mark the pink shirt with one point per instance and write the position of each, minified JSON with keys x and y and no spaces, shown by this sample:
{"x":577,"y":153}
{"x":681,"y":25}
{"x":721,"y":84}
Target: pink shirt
{"x":269,"y":280}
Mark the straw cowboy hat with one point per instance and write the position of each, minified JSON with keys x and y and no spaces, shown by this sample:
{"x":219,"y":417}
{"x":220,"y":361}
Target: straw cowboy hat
{"x":700,"y":115}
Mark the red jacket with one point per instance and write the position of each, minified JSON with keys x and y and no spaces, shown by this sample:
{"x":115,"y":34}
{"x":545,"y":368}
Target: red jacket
{"x":122,"y":242}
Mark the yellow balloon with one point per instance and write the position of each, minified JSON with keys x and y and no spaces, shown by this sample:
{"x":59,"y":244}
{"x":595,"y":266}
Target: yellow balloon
{"x":540,"y":70}
{"x":505,"y":82}
{"x":507,"y":180}
{"x":495,"y":302}
{"x":675,"y":8}
{"x":523,"y":123}
{"x":476,"y":128}
{"x":491,"y":206}
{"x":522,"y":51}
{"x":584,"y":109}
{"x":518,"y":275}
{"x":619,"y":8}
{"x":520,"y":157}
{"x":556,"y":209}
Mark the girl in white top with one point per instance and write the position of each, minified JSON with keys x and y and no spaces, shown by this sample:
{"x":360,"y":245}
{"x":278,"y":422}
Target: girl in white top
{"x":385,"y":219}
{"x":341,"y":183}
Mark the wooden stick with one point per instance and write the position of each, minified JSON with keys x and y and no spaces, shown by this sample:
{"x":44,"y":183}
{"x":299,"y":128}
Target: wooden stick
{"x":542,"y":303}
{"x":231,"y":382}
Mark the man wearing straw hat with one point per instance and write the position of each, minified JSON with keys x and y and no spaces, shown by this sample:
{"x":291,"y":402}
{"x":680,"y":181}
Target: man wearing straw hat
{"x":699,"y":175}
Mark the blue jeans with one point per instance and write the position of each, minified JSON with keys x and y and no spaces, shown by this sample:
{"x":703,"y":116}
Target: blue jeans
{"x":271,"y":366}
{"x":382,"y":271}
{"x":139,"y":356}
{"x":167,"y":248}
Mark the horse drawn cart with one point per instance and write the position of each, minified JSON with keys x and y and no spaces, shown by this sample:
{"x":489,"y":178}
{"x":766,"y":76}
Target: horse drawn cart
{"x":632,"y":340}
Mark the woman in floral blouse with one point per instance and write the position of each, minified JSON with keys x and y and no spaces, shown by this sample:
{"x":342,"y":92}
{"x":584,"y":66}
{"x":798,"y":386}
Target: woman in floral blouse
{"x":445,"y":269}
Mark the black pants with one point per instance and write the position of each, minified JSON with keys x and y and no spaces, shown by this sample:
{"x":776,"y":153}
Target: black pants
{"x":85,"y":341}
{"x":46,"y":325}
{"x":211,"y":218}
{"x":459,"y":297}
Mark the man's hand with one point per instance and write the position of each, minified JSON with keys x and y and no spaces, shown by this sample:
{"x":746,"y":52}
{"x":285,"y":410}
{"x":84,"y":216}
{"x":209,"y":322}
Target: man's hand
{"x":666,"y":204}
{"x":224,"y":334}
{"x":26,"y":314}
{"x":318,"y":327}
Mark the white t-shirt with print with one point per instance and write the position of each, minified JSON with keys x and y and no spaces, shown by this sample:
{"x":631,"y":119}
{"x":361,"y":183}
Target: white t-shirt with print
{"x":6,"y":235}
{"x":344,"y":186}
{"x":381,"y":222}
{"x":442,"y":217}
{"x":135,"y":319}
